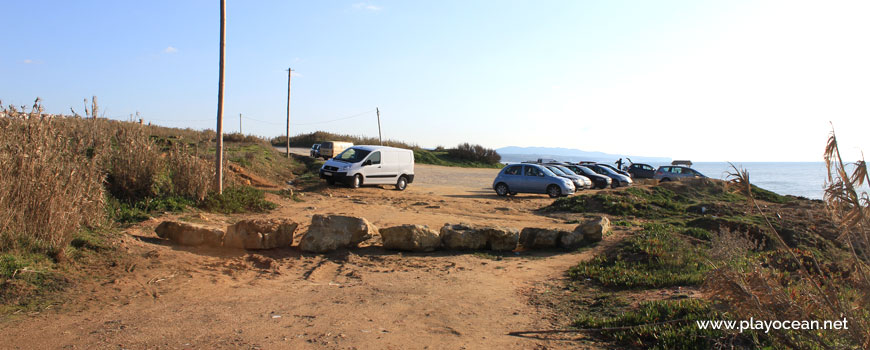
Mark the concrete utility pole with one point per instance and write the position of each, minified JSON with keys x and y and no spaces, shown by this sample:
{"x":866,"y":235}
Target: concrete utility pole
{"x":219,"y":150}
{"x":240,"y":123}
{"x":289,"y":74}
{"x":380,"y":138}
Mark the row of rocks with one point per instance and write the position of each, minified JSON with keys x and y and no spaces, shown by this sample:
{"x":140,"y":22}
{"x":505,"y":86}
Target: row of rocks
{"x":331,"y":232}
{"x":246,"y":234}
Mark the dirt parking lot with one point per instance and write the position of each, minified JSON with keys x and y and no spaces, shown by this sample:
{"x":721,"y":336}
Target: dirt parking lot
{"x":172,"y":297}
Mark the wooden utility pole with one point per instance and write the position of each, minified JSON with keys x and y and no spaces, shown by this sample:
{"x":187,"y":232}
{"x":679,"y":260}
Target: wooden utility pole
{"x":380,"y":138}
{"x":289,"y":74}
{"x":219,"y":151}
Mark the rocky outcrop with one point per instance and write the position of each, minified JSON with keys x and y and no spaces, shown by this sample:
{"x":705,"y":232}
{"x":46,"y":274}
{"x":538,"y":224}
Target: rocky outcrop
{"x":500,"y":238}
{"x":260,"y":234}
{"x":462,"y":237}
{"x":540,"y":238}
{"x":594,"y":230}
{"x":416,"y":238}
{"x":184,"y":233}
{"x":328,"y":233}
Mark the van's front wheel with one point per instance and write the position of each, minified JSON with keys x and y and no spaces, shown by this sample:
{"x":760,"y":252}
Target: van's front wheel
{"x":402,"y":183}
{"x":357,"y":181}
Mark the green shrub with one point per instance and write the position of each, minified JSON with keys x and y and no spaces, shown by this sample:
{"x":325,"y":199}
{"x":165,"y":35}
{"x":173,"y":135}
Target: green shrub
{"x":474,"y":153}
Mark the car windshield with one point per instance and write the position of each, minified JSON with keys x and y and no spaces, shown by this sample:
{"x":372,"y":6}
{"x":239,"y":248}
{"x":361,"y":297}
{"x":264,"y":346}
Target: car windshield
{"x":566,"y":170}
{"x":352,"y":155}
{"x":584,"y":170}
{"x":607,"y":170}
{"x":556,"y":170}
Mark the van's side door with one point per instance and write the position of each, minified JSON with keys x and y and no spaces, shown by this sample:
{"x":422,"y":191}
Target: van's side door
{"x":372,"y":169}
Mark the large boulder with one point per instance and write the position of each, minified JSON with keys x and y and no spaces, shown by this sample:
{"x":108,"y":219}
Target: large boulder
{"x":417,"y":238}
{"x":332,"y":232}
{"x":593,"y":230}
{"x":184,"y":233}
{"x":462,"y":237}
{"x":570,"y":240}
{"x":260,"y":234}
{"x":539,"y":238}
{"x":500,"y":238}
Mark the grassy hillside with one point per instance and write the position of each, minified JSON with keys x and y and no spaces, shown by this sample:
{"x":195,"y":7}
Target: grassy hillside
{"x":703,"y":250}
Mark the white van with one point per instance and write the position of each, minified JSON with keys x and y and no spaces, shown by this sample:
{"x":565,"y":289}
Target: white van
{"x":331,"y":149}
{"x":370,"y":165}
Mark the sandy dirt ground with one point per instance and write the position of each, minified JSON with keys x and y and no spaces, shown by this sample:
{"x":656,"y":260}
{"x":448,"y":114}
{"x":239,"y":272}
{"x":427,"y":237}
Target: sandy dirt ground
{"x":162,"y":296}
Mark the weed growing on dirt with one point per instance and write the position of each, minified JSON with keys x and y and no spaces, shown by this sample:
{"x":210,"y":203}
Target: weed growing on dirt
{"x":654,"y":258}
{"x":238,"y":199}
{"x":665,"y":324}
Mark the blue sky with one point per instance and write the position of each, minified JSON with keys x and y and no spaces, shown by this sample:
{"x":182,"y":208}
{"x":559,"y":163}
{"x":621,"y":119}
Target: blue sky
{"x":708,"y":81}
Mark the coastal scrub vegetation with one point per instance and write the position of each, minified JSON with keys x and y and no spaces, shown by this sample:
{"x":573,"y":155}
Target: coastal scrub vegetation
{"x":716,"y":250}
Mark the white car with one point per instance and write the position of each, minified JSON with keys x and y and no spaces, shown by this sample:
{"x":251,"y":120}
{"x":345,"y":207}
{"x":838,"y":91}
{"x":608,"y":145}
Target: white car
{"x":370,"y":165}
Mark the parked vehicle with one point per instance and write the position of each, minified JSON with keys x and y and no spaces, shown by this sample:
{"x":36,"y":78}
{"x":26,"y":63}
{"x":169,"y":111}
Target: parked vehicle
{"x":675,"y":172}
{"x":641,"y":171}
{"x":315,"y":150}
{"x":618,"y":171}
{"x":531,"y":178}
{"x":617,"y":179}
{"x":580,"y":182}
{"x":370,"y":165}
{"x":598,"y":180}
{"x":331,"y":149}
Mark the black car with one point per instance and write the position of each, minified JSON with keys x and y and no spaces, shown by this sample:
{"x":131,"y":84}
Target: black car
{"x":616,"y":178}
{"x":598,"y":180}
{"x":641,"y":171}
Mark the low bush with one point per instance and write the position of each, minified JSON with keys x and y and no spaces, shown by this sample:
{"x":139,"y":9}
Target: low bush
{"x":474,"y":153}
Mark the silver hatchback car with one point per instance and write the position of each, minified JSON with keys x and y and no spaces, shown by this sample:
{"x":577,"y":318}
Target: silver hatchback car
{"x":674,"y":172}
{"x":531,"y":178}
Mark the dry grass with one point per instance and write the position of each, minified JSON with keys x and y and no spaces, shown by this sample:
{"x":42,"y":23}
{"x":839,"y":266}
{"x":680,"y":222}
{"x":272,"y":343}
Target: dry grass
{"x":790,"y":283}
{"x":50,"y":183}
{"x":55,"y":171}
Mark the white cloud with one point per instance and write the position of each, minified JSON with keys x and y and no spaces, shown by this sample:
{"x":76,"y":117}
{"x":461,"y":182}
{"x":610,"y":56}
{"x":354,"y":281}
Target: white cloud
{"x":27,"y":61}
{"x":170,"y":49}
{"x":366,"y":6}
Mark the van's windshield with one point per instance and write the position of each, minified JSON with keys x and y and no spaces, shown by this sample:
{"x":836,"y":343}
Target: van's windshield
{"x":352,"y":155}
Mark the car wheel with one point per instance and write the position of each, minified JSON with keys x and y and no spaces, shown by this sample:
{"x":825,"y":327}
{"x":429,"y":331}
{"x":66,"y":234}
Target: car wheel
{"x":664,"y":180}
{"x":330,"y":181}
{"x":502,"y":189}
{"x":554,"y":191}
{"x":402,"y":183}
{"x":614,"y":184}
{"x":357,"y":181}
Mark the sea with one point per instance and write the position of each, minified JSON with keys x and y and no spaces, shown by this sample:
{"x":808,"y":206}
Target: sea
{"x":797,"y":179}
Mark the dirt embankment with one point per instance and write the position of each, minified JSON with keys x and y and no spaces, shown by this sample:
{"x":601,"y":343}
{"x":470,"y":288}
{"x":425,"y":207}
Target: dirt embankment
{"x":171,"y":297}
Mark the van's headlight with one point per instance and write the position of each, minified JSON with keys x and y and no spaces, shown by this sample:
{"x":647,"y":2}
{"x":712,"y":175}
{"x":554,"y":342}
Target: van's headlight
{"x":344,"y":167}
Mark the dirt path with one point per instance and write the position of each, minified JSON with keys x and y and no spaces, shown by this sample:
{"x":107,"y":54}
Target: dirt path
{"x":172,"y":297}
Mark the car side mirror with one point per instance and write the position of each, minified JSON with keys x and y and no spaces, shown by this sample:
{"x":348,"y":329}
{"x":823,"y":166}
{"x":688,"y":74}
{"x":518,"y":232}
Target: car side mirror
{"x":367,"y":162}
